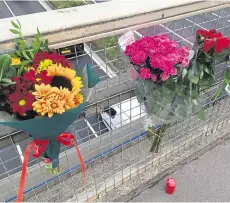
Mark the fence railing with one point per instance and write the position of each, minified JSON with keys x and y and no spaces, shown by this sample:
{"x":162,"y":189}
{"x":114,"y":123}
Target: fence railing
{"x":114,"y":149}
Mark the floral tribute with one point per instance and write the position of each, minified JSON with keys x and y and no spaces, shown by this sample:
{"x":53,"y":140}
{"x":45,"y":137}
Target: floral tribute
{"x":213,"y":40}
{"x":47,"y":88}
{"x":157,"y":57}
{"x":169,"y":79}
{"x":44,"y":94}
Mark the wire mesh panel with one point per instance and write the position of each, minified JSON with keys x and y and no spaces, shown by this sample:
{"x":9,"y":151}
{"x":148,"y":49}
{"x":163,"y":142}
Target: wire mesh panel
{"x":110,"y":133}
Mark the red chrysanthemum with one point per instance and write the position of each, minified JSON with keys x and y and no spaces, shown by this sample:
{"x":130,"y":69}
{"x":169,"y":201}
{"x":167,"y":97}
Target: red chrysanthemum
{"x":55,"y":57}
{"x":22,"y":84}
{"x":21,"y":102}
{"x":37,"y":78}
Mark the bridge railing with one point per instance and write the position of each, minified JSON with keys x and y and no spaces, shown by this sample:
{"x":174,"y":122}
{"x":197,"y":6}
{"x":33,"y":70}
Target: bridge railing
{"x":114,"y":151}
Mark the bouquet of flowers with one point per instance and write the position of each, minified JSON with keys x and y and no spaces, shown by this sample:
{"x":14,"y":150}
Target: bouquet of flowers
{"x":43,"y":95}
{"x":169,"y":79}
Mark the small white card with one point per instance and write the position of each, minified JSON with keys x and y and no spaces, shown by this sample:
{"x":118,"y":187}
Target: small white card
{"x":126,"y":39}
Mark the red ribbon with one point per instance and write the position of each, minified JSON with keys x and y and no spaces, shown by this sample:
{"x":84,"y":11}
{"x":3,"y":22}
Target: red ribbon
{"x":38,"y":147}
{"x":68,"y":139}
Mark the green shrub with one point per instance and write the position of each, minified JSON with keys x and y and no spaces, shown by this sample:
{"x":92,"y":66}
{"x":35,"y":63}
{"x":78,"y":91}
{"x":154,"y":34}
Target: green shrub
{"x":66,"y":4}
{"x":111,"y":53}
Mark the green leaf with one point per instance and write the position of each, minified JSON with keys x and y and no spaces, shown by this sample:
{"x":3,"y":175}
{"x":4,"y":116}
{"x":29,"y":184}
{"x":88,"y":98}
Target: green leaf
{"x":184,"y":72}
{"x":15,"y":25}
{"x":195,"y":101}
{"x":18,"y":53}
{"x":19,"y":23}
{"x":39,"y":34}
{"x":190,"y":73}
{"x":208,"y":58}
{"x":194,"y":79}
{"x":25,"y":54}
{"x":6,"y":80}
{"x":198,"y":69}
{"x":201,"y":74}
{"x":206,"y":70}
{"x":9,"y":73}
{"x":25,"y":62}
{"x":46,"y":44}
{"x":201,"y":115}
{"x":19,"y":73}
{"x":7,"y":84}
{"x":31,"y":54}
{"x":5,"y":61}
{"x":227,"y":77}
{"x":15,"y":31}
{"x":195,"y":94}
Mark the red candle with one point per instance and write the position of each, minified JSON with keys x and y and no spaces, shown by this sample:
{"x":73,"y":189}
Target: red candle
{"x":170,"y":186}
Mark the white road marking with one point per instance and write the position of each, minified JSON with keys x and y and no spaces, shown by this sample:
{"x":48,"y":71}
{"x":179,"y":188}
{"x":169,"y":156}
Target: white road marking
{"x":91,"y":128}
{"x":9,"y":8}
{"x":20,"y":152}
{"x":45,"y":5}
{"x":105,"y":67}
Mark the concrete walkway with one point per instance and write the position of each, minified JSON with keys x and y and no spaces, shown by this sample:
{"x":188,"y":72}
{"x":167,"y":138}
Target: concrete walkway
{"x":206,"y":179}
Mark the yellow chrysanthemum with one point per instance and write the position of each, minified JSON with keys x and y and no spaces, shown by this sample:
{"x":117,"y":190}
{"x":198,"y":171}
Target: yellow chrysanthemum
{"x":59,"y":70}
{"x":15,"y":61}
{"x":44,"y":65}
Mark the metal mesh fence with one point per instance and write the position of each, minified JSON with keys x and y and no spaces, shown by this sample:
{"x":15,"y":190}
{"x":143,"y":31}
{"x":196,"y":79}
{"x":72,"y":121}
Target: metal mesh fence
{"x":110,"y":133}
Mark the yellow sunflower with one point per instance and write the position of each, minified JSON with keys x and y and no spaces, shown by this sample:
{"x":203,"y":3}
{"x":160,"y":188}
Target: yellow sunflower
{"x":59,"y":70}
{"x":69,"y":74}
{"x":76,"y":84}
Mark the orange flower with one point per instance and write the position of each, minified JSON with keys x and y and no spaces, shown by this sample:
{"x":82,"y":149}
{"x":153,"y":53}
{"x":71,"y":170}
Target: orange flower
{"x":78,"y":99}
{"x":50,"y":105}
{"x":43,"y":90}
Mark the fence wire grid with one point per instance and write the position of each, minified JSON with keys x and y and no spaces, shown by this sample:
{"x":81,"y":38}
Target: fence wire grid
{"x":109,"y":133}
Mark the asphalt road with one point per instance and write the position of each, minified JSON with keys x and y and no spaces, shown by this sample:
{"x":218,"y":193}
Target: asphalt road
{"x":205,"y":179}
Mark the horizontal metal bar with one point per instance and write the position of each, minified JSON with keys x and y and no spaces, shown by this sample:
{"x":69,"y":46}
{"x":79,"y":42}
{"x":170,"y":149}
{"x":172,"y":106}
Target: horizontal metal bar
{"x":57,"y":27}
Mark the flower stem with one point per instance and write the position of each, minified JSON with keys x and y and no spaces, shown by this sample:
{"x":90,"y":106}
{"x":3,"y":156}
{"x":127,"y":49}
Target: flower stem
{"x":159,"y":134}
